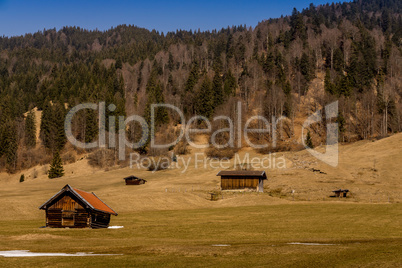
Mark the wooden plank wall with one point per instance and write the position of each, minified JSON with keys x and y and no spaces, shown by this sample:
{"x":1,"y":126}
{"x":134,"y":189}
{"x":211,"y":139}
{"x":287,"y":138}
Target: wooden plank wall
{"x":100,"y":220}
{"x":67,"y":206}
{"x":134,"y":182}
{"x":237,"y":182}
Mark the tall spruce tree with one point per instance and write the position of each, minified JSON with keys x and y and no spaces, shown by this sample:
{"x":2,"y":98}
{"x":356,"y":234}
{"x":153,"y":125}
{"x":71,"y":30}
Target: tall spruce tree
{"x":341,"y":125}
{"x":217,"y":88}
{"x":205,"y":100}
{"x":269,"y":63}
{"x":298,"y":29}
{"x":52,"y":131}
{"x":91,"y":126}
{"x":155,"y":95}
{"x":287,"y":89}
{"x":161,"y":116}
{"x":56,"y":168}
{"x":193,"y":77}
{"x":47,"y":126}
{"x":309,"y":140}
{"x":306,"y":68}
{"x":59,"y":131}
{"x":328,"y":85}
{"x":11,"y":145}
{"x":230,"y":84}
{"x":170,"y":64}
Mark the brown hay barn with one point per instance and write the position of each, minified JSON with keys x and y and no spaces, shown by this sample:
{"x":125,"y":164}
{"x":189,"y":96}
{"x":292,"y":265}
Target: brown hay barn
{"x":340,"y":193}
{"x":75,"y":208}
{"x":242,"y":179}
{"x":133,"y":180}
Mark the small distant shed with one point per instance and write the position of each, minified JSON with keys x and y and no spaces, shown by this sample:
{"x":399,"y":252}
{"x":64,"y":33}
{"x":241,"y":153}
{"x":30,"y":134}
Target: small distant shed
{"x":242,"y":179}
{"x":75,"y":208}
{"x":133,"y":180}
{"x":340,"y":193}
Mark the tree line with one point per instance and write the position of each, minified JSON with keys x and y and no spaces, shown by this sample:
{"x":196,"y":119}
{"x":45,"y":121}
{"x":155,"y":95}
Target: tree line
{"x":273,"y":69}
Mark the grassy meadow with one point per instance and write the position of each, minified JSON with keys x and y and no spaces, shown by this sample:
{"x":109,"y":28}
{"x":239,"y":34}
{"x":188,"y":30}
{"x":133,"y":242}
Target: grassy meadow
{"x":170,"y":221}
{"x":364,"y":235}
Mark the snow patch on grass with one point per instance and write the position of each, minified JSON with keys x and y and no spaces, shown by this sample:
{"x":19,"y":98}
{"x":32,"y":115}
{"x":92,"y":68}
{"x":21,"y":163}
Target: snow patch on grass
{"x":115,"y":227}
{"x":27,"y":253}
{"x":310,"y":244}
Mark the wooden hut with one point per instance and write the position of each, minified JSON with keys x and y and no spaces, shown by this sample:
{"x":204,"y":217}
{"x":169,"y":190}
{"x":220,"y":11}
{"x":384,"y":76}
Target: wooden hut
{"x":340,"y":193}
{"x":242,"y":179}
{"x":133,"y":180}
{"x":75,"y":208}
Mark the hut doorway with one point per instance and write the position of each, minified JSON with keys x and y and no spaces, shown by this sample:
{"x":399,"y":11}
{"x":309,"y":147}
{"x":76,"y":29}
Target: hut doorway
{"x":67,"y":217}
{"x":68,"y":212}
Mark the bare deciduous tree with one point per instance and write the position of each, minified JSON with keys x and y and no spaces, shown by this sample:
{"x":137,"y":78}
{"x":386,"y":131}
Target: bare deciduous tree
{"x":331,"y":37}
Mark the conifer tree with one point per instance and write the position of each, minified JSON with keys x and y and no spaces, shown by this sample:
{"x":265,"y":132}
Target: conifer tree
{"x":230,"y":84}
{"x":10,"y":145}
{"x":56,"y":168}
{"x":298,"y":29}
{"x":345,"y":86}
{"x":338,"y":60}
{"x":59,"y":132}
{"x":205,"y":100}
{"x":193,"y":77}
{"x":341,"y":125}
{"x":47,"y":126}
{"x":119,"y":63}
{"x":155,"y":95}
{"x":52,"y":131}
{"x":287,"y":89}
{"x":306,"y":67}
{"x":152,"y":80}
{"x":217,"y":88}
{"x":328,"y":86}
{"x":4,"y":118}
{"x":170,"y":62}
{"x":309,"y":140}
{"x":161,"y":116}
{"x":269,"y":63}
{"x":229,"y":46}
{"x":91,"y":126}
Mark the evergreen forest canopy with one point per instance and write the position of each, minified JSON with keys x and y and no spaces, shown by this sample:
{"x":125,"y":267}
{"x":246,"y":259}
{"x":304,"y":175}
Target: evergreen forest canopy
{"x":355,"y":48}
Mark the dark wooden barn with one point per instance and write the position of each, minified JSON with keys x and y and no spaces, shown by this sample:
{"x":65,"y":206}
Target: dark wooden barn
{"x":242,"y":179}
{"x":75,"y":208}
{"x":340,"y":193}
{"x":133,"y":180}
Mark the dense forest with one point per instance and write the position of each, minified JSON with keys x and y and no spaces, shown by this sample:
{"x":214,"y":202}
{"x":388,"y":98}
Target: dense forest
{"x":274,"y":69}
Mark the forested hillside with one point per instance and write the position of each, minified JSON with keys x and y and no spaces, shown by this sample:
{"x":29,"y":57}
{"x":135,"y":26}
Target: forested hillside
{"x":274,"y":69}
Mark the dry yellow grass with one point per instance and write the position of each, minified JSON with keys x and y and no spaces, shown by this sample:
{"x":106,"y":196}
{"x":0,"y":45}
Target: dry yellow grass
{"x":175,"y":189}
{"x":169,"y":220}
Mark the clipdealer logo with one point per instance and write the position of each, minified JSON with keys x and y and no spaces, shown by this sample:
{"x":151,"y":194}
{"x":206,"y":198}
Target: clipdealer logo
{"x":236,"y":131}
